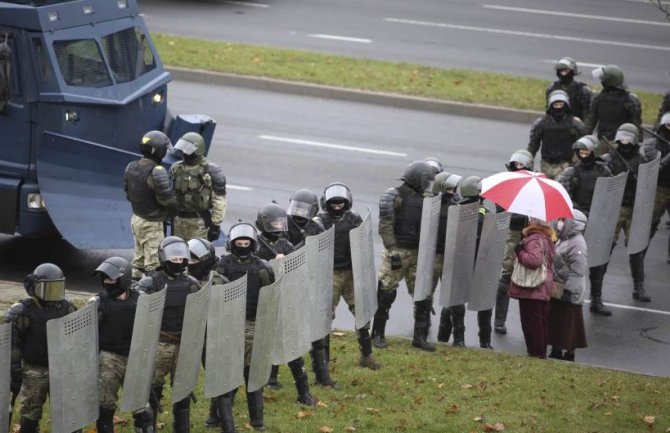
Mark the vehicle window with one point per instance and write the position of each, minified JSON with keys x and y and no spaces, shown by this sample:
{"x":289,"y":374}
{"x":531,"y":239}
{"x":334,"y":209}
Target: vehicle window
{"x":129,"y":54}
{"x":81,"y":64}
{"x":43,"y":65}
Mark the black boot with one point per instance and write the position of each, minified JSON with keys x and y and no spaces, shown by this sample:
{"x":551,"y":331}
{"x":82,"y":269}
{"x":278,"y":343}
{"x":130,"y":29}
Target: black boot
{"x":28,"y":425}
{"x":458,"y":323}
{"x":385,"y":299}
{"x":502,"y":305}
{"x":365,"y":346}
{"x":556,"y":353}
{"x":213,"y":419}
{"x":421,"y":313}
{"x":181,"y":416}
{"x":105,"y":422}
{"x":143,"y":421}
{"x":569,"y":357}
{"x":297,"y":367}
{"x":484,"y":322}
{"x":637,"y":270}
{"x":255,"y":406}
{"x":273,"y":383}
{"x":320,"y":364}
{"x":444,"y":330}
{"x":596,"y":276}
{"x":224,"y":405}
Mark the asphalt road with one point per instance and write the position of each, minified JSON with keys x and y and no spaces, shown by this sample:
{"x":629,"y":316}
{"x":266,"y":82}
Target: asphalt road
{"x":269,"y":145}
{"x":520,"y":37}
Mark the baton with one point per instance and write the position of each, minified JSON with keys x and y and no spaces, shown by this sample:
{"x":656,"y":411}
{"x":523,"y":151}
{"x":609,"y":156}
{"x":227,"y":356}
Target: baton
{"x":655,"y":135}
{"x":613,"y":149}
{"x":192,"y":397}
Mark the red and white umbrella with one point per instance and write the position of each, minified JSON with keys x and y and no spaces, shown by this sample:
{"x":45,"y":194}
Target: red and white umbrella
{"x":528,"y":193}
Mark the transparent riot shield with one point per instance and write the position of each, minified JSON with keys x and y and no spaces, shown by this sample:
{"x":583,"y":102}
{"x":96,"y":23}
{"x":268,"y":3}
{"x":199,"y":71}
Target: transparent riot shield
{"x":192,"y":341}
{"x":73,"y":369}
{"x":320,"y":261}
{"x":363,"y":268}
{"x":645,"y":194}
{"x":143,"y":347}
{"x":488,"y":265}
{"x":603,"y":216}
{"x":264,"y":335}
{"x":459,"y":254}
{"x":425,"y":267}
{"x":224,"y":353}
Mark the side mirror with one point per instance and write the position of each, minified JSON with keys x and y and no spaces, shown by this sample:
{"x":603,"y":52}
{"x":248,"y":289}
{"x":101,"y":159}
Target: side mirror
{"x":5,"y":74}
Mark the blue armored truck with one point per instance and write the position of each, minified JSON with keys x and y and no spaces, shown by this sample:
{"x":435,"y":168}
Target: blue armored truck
{"x":80,"y":83}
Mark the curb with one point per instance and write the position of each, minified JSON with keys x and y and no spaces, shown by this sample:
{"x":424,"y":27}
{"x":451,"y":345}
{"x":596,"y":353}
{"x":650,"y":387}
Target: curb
{"x":386,"y":99}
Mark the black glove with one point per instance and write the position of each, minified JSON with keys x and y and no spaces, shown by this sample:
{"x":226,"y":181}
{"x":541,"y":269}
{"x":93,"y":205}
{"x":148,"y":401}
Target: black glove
{"x":518,"y":248}
{"x":396,"y":262}
{"x":213,"y":233}
{"x":566,"y":296}
{"x":15,"y":383}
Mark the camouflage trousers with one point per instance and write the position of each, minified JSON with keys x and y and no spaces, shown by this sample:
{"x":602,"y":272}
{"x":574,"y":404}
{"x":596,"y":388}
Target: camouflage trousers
{"x":661,"y":204}
{"x":34,"y":391}
{"x":148,"y":236}
{"x":189,"y":228}
{"x":552,"y":171}
{"x":343,"y":286}
{"x":249,"y":329}
{"x":513,"y":239}
{"x":112,"y":371}
{"x":390,"y":278}
{"x":166,"y":362}
{"x":625,"y":217}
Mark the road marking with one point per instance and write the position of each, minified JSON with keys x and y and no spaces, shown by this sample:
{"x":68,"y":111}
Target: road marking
{"x":527,"y":34}
{"x":630,"y":307}
{"x":239,"y":188}
{"x":341,"y":38}
{"x":331,"y":146}
{"x":573,"y":15}
{"x":647,"y":1}
{"x":583,"y":64}
{"x":253,"y":5}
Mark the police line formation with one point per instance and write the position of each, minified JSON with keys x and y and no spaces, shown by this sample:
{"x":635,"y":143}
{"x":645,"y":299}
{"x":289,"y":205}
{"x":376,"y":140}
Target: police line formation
{"x":272,"y":297}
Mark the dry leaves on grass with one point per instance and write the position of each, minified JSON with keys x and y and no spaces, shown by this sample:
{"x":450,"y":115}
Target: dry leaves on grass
{"x":326,"y":429}
{"x":372,"y":410}
{"x":494,"y":427}
{"x":338,"y":334}
{"x":303,"y":414}
{"x":466,"y":386}
{"x":649,"y":419}
{"x":321,"y":403}
{"x":453,"y":408}
{"x":350,"y":429}
{"x":120,"y":421}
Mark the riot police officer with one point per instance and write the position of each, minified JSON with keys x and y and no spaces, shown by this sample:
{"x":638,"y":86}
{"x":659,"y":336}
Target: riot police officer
{"x":271,"y":222}
{"x":302,"y":208}
{"x":336,"y":203}
{"x":613,"y":106}
{"x":173,"y":254}
{"x":117,"y":304}
{"x":665,"y":108}
{"x":579,"y":93}
{"x":29,"y":359}
{"x":626,"y":156}
{"x":651,"y":147}
{"x":242,"y":260}
{"x":200,"y":187}
{"x":400,"y":226}
{"x":149,"y":189}
{"x":580,"y":182}
{"x":554,"y":133}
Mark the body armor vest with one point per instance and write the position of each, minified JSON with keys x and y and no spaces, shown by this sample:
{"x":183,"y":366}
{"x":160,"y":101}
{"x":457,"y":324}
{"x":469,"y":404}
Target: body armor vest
{"x":35,"y":350}
{"x":118,"y":317}
{"x":663,"y":172}
{"x":141,"y":197}
{"x":557,"y":139}
{"x":233,"y":268}
{"x":193,"y":187}
{"x":586,"y":178}
{"x":618,"y":166}
{"x":343,"y":226}
{"x":268,"y":249}
{"x":296,"y":234}
{"x":407,"y":226}
{"x":612,"y":112}
{"x":175,"y":299}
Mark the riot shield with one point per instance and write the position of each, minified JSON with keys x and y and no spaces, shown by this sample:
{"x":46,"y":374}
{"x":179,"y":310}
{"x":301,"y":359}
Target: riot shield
{"x":73,"y":369}
{"x":425,"y":266}
{"x":224,"y":353}
{"x":293,"y":336}
{"x":603,"y":216}
{"x":264,"y":335}
{"x":645,"y":194}
{"x":488,"y":265}
{"x":320,"y":260}
{"x":363,"y":268}
{"x":459,"y":254}
{"x":5,"y":375}
{"x":142,"y":356}
{"x":192,"y":341}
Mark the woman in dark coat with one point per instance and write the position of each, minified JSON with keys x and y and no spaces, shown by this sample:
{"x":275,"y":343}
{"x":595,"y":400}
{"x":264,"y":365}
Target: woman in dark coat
{"x":536,"y":247}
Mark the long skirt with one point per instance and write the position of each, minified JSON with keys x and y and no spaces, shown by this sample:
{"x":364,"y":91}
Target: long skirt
{"x":566,"y":326}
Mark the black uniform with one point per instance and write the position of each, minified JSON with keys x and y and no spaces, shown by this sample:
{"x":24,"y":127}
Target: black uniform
{"x":555,"y":135}
{"x":579,"y":93}
{"x":610,"y":109}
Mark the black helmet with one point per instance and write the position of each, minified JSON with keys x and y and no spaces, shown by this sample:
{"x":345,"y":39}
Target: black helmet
{"x":336,"y":192}
{"x":154,"y":145}
{"x":173,"y":254}
{"x":271,"y":218}
{"x":419,"y":175}
{"x":437,"y":165}
{"x":242,"y":230}
{"x":46,"y":283}
{"x":303,"y":204}
{"x":203,"y":251}
{"x":118,"y":268}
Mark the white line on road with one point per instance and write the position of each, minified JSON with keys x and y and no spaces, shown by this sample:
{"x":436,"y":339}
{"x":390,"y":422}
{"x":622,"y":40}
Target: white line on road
{"x":239,"y":188}
{"x":646,"y":1}
{"x":330,"y":145}
{"x":573,"y":15}
{"x":584,"y":64}
{"x":630,"y":307}
{"x":253,"y":5}
{"x":527,"y":34}
{"x":342,"y":38}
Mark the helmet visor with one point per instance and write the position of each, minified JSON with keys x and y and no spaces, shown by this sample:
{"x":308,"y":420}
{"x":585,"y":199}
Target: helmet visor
{"x":242,"y":231}
{"x":50,"y":290}
{"x":176,"y":252}
{"x":300,"y":209}
{"x":625,"y":137}
{"x":109,"y":269}
{"x":198,"y":249}
{"x":186,"y":147}
{"x":665,"y":119}
{"x":598,"y":73}
{"x":276,"y":224}
{"x":336,"y":192}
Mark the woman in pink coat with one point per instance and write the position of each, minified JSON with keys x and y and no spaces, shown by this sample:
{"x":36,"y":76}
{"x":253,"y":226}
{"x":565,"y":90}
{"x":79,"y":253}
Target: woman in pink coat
{"x":537,"y":246}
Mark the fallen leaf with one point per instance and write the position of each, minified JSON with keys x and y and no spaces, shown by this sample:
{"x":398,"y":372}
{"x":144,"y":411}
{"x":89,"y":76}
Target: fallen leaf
{"x":248,"y":426}
{"x":321,"y":403}
{"x":482,"y":386}
{"x":447,"y":358}
{"x":608,"y":414}
{"x":350,"y":429}
{"x":372,"y":410}
{"x":649,"y":419}
{"x":615,"y":397}
{"x":418,"y":400}
{"x":494,"y":427}
{"x":160,"y":425}
{"x":478,"y":419}
{"x":325,"y":429}
{"x":667,"y":430}
{"x":119,"y":420}
{"x":16,"y":428}
{"x":453,"y":408}
{"x":466,"y":386}
{"x":338,"y":334}
{"x":440,"y":385}
{"x":269,"y":398}
{"x":303,"y":414}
